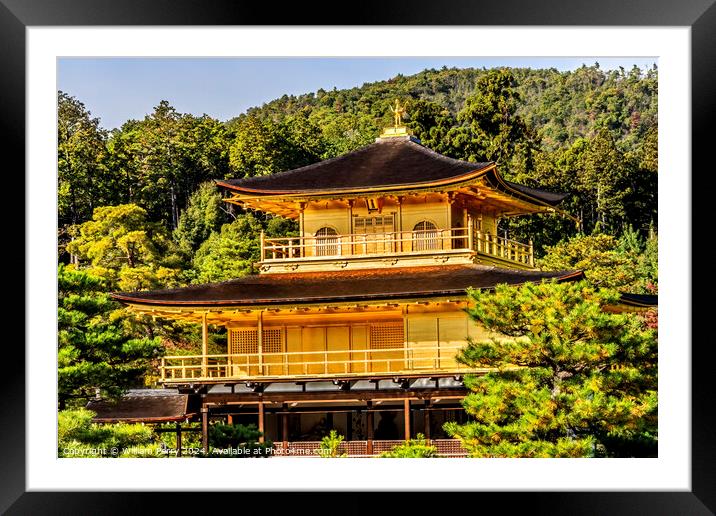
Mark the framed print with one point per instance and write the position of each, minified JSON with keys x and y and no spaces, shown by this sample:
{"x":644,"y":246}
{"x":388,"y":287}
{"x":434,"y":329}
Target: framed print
{"x":346,"y":315}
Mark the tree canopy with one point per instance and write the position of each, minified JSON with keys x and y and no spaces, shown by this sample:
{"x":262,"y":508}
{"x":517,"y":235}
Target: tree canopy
{"x":572,"y":379}
{"x":97,"y":349}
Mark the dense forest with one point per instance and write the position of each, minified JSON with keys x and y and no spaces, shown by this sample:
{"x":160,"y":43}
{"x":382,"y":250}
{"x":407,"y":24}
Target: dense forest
{"x":137,"y":207}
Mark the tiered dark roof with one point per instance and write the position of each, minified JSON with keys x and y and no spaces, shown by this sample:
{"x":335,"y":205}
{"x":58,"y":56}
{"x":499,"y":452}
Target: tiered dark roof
{"x":390,"y":163}
{"x":144,"y":406}
{"x":364,"y":284}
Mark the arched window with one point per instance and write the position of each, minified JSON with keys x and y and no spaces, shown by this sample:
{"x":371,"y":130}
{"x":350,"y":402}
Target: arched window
{"x":326,"y":242}
{"x":425,"y":236}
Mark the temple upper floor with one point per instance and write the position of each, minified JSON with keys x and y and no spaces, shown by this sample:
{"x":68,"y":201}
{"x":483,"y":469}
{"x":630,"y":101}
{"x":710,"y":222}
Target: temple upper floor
{"x":392,"y":203}
{"x":393,"y":231}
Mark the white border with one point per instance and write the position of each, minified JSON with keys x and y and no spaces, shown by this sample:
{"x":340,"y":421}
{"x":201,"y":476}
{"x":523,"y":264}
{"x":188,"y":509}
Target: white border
{"x":670,"y":471}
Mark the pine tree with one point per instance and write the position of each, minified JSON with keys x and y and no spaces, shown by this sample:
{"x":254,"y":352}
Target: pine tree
{"x":96,"y":350}
{"x":572,"y":378}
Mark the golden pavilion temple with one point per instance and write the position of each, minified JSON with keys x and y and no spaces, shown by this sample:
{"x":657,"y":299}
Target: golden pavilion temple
{"x":354,"y":324}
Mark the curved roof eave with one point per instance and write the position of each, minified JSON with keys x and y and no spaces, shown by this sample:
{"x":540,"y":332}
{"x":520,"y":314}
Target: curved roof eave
{"x":473,"y":174}
{"x":442,"y":287}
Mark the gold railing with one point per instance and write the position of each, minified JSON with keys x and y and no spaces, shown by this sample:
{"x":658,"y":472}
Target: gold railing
{"x":358,"y":244}
{"x":334,"y":363}
{"x":397,"y":242}
{"x":499,"y":247}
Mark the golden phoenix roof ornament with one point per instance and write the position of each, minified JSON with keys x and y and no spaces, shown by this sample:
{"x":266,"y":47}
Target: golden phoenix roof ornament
{"x":398,"y":128}
{"x":398,"y":112}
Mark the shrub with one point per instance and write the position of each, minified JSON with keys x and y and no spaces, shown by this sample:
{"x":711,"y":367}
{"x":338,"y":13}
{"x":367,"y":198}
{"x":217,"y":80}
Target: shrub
{"x":330,"y":444}
{"x":412,"y":449}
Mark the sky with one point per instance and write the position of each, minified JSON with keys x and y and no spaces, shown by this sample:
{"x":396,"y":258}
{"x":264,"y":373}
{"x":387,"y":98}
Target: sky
{"x":119,"y":89}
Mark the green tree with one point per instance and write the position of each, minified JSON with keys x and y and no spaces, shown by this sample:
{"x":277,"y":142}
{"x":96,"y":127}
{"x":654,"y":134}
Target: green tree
{"x":124,"y":247}
{"x":330,"y":446}
{"x":262,"y":146}
{"x":83,"y":179}
{"x":244,"y":438}
{"x":160,"y":160}
{"x":204,"y":214}
{"x":412,"y":449}
{"x":570,"y":379}
{"x":430,"y":123}
{"x":255,"y":149}
{"x":491,"y":129}
{"x":96,"y":346}
{"x":229,"y":253}
{"x":627,"y":264}
{"x":79,"y":437}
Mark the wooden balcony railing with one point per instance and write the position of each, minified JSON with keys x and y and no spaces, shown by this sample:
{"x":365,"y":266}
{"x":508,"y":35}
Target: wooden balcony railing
{"x":364,"y":243}
{"x":393,"y":243}
{"x":312,"y":364}
{"x":444,"y":448}
{"x":499,"y":247}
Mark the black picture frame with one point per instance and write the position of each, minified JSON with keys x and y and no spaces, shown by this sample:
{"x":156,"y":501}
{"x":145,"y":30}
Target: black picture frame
{"x":699,"y":15}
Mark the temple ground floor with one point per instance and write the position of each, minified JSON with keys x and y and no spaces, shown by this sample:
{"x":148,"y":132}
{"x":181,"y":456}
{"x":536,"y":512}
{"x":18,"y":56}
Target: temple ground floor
{"x":372,"y":416}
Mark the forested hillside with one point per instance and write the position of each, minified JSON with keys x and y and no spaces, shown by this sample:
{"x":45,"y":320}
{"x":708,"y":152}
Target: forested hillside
{"x":137,"y":208}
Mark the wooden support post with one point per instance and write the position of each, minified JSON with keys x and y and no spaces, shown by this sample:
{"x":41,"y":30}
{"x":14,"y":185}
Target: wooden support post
{"x":470,"y":234}
{"x":406,"y":415}
{"x":204,"y":346}
{"x":262,"y":245}
{"x":260,"y":341}
{"x":351,"y":202}
{"x":301,"y":228}
{"x":426,"y":420}
{"x":205,"y":429}
{"x":178,"y":428}
{"x":261,"y":420}
{"x":230,"y":419}
{"x":400,"y":223}
{"x":406,"y":357}
{"x":532,"y":255}
{"x":369,"y":428}
{"x":284,"y":430}
{"x":450,"y":201}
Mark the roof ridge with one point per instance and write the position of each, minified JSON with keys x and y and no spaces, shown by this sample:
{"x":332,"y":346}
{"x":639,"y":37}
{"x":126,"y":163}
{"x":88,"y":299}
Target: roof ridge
{"x":418,"y":146}
{"x":306,"y":167}
{"x":435,"y":154}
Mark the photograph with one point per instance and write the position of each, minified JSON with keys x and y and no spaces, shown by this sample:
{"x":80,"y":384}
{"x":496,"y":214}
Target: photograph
{"x":433,"y":236}
{"x":357,"y":257}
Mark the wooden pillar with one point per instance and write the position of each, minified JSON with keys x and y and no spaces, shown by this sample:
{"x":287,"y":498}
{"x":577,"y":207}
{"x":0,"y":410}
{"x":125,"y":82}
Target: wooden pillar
{"x":450,"y":201}
{"x":426,"y":419}
{"x":204,"y":346}
{"x":351,"y":202}
{"x":408,"y":363}
{"x":400,"y":222}
{"x":369,"y":428}
{"x":205,"y":428}
{"x":301,"y":228}
{"x":406,"y":416}
{"x":284,"y":430}
{"x":262,"y":245}
{"x":532,"y":255}
{"x":178,"y":429}
{"x":261,"y":420}
{"x":260,"y":341}
{"x":470,"y":234}
{"x":230,"y":419}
